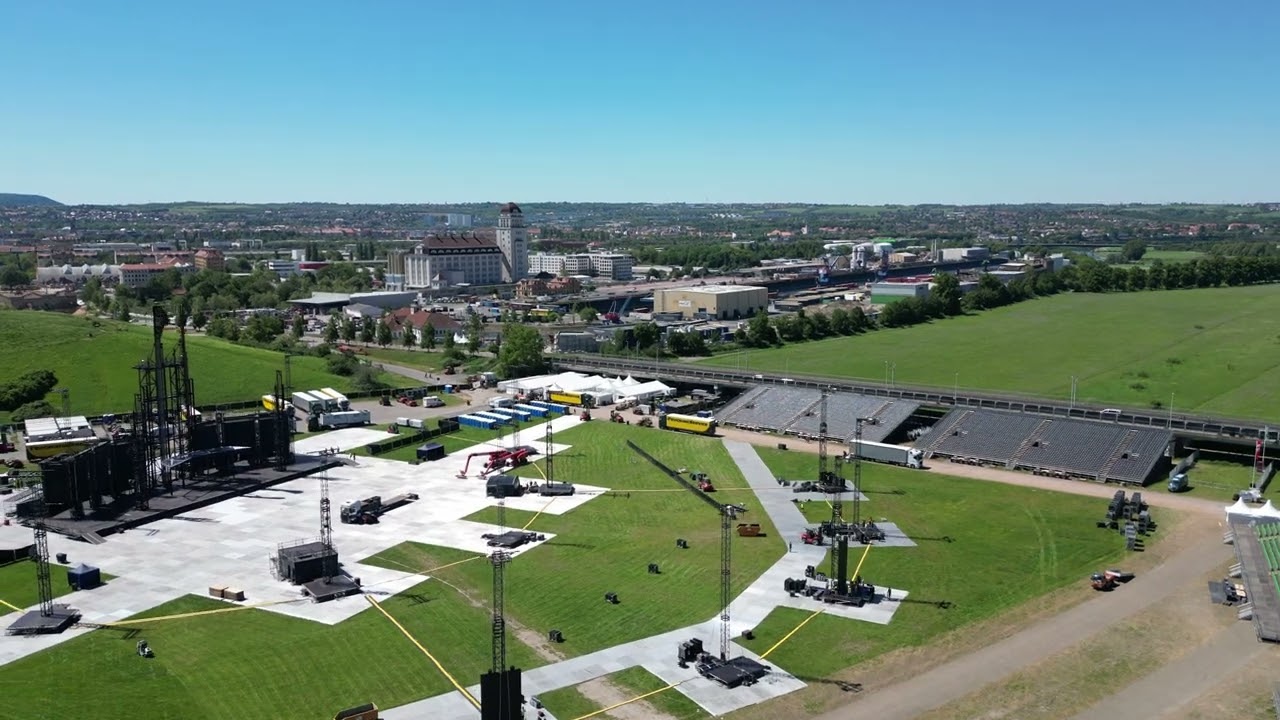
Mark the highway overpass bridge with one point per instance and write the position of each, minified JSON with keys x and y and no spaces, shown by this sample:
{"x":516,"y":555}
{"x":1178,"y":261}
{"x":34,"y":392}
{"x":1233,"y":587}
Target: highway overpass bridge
{"x":1203,"y":426}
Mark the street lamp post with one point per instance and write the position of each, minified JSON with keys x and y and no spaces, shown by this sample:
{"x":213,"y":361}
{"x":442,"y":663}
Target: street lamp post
{"x":955,"y":392}
{"x":1169,"y":426}
{"x":1072,"y":405}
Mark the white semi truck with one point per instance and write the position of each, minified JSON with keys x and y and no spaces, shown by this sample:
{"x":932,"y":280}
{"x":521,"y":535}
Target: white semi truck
{"x":885,"y":453}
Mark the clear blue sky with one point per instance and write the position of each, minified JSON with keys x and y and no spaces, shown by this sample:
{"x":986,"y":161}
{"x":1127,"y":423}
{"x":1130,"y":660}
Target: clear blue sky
{"x":851,"y":101}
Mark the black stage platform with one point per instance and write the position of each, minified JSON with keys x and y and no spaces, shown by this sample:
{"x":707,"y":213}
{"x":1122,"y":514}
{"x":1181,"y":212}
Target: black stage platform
{"x":33,"y":623}
{"x":326,"y":589}
{"x":735,"y":672}
{"x":197,"y":493}
{"x":512,"y":539}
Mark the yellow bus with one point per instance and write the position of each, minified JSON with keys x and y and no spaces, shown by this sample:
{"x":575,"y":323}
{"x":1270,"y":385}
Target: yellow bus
{"x":688,"y":423}
{"x":566,"y":397}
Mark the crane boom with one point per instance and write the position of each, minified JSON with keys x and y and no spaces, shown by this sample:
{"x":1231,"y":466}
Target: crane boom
{"x":727,"y":514}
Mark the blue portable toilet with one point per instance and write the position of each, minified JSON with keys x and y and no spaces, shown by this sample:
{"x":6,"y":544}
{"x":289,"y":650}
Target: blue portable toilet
{"x":83,"y":577}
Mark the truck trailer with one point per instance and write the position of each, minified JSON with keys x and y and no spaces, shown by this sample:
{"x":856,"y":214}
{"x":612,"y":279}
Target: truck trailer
{"x":367,"y":511}
{"x":342,"y":402}
{"x":310,"y":404}
{"x":885,"y":453}
{"x":341,"y":419}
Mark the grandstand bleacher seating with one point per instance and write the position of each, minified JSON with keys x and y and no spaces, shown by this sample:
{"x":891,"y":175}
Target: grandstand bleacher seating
{"x":796,"y":411}
{"x":1049,"y":446}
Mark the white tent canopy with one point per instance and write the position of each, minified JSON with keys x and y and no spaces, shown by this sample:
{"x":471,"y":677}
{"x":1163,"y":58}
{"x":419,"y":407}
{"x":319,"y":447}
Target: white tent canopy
{"x":577,"y":382}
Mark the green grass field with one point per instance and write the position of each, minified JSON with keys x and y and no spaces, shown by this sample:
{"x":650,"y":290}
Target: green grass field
{"x":607,"y":544}
{"x":1214,"y":351}
{"x":18,"y":584}
{"x":96,"y":363}
{"x":255,"y":663}
{"x":1008,"y":545}
{"x":569,"y":703}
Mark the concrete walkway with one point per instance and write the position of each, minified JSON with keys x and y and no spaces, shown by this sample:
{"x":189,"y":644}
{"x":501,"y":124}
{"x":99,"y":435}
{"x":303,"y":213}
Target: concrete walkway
{"x":657,"y":653}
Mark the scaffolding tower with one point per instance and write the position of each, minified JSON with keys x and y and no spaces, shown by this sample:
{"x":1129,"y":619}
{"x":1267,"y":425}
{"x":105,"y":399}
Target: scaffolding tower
{"x":163,"y":414}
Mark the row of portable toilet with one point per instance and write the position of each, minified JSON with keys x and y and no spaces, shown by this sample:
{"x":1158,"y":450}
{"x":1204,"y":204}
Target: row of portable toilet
{"x":477,"y":421}
{"x":551,"y":407}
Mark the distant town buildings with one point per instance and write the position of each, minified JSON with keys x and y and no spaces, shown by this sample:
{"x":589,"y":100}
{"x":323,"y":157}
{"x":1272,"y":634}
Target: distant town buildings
{"x":210,"y":259}
{"x":450,"y":220}
{"x":719,"y":302}
{"x":447,"y":260}
{"x":615,"y":266}
{"x":139,"y":274}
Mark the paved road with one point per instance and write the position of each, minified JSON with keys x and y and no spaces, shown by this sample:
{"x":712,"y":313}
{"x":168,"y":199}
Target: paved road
{"x":1173,"y":686}
{"x":953,"y":680}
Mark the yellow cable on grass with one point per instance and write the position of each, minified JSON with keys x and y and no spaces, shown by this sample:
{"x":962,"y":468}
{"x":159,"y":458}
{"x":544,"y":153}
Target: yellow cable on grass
{"x":787,"y":637}
{"x":857,"y":571}
{"x":470,"y":698}
{"x":198,"y":613}
{"x":535,"y":515}
{"x":15,"y":608}
{"x":615,"y":706}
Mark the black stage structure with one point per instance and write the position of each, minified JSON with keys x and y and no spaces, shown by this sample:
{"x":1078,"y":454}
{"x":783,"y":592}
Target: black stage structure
{"x":501,"y":696}
{"x":166,"y":458}
{"x":50,"y":617}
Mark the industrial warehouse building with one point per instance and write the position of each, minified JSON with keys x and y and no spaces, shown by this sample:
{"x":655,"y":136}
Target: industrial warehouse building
{"x":719,"y":302}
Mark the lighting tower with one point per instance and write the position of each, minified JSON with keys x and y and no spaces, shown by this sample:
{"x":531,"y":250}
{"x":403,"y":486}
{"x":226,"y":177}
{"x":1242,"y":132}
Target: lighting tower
{"x":326,"y":516}
{"x":551,"y":476}
{"x":40,"y":553}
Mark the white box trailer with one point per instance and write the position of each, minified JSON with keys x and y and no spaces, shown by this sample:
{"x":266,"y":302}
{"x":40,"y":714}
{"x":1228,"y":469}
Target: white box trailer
{"x":344,"y":418}
{"x":337,"y":397}
{"x":310,"y":404}
{"x":885,"y":453}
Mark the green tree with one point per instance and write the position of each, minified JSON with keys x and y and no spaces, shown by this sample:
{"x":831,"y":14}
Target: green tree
{"x":428,"y":339}
{"x":122,"y":308}
{"x":646,"y":335}
{"x":760,"y":332}
{"x":407,"y":339}
{"x":841,"y":321}
{"x":475,"y":327}
{"x":13,"y":276}
{"x":384,"y":333}
{"x":1134,"y":249}
{"x":181,"y":310}
{"x":449,"y":342}
{"x":32,"y":410}
{"x":521,"y":352}
{"x":588,"y":314}
{"x":348,"y":328}
{"x":263,"y":328}
{"x":331,"y":330}
{"x":299,"y":327}
{"x":368,"y":332}
{"x":946,"y":288}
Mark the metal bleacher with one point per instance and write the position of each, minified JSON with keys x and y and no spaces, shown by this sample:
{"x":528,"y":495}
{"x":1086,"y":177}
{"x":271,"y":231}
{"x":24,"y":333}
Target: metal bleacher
{"x":976,"y":434}
{"x":1057,"y":446}
{"x":795,"y":411}
{"x":843,"y":411}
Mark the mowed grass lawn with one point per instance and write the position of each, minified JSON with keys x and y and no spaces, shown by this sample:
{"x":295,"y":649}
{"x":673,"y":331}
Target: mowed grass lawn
{"x":96,"y":363}
{"x":570,"y":703}
{"x":1213,"y":351}
{"x":1008,"y":545}
{"x":18,"y":585}
{"x":607,"y":544}
{"x":255,"y":663}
